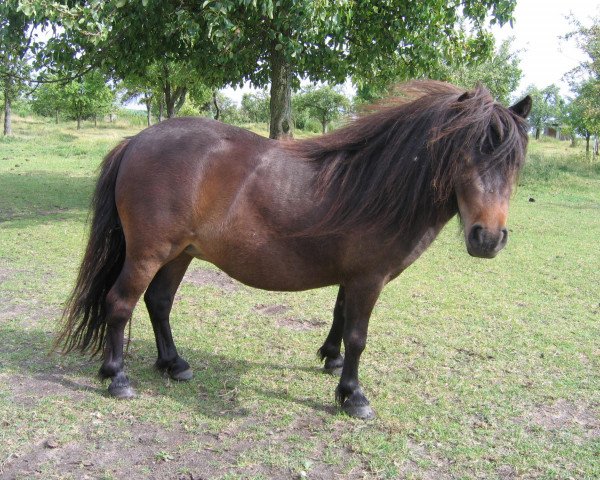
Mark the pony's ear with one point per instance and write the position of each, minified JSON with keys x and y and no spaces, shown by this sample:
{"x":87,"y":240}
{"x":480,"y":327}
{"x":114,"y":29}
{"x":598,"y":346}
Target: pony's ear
{"x":464,"y":97}
{"x":523,"y":107}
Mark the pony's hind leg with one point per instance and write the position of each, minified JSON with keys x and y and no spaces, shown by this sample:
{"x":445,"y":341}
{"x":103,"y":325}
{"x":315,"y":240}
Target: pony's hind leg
{"x":330,"y":350}
{"x":159,"y":299}
{"x":120,"y":302}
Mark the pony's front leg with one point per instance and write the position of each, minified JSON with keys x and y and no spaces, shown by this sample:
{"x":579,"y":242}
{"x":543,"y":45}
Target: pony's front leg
{"x":359,"y":302}
{"x":330,"y":350}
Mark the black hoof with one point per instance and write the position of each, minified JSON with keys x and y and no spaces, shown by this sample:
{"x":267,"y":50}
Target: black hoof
{"x":362,"y":412}
{"x":120,"y":387}
{"x":355,"y":403}
{"x":333,"y":366}
{"x":336,"y":372}
{"x":183,"y":376}
{"x":178,"y":369}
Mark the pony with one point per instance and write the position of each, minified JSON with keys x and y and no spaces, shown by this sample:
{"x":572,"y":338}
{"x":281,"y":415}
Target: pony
{"x":352,"y":208}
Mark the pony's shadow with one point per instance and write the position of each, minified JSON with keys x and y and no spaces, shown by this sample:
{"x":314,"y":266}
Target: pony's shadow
{"x":212,"y":392}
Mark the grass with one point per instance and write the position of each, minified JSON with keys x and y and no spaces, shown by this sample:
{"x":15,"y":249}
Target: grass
{"x":476,"y":368}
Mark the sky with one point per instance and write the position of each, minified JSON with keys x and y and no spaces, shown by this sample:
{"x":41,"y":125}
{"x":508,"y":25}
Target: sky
{"x":536,"y":32}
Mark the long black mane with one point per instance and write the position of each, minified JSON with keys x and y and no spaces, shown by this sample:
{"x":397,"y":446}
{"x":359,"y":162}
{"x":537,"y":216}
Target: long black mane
{"x":401,"y":162}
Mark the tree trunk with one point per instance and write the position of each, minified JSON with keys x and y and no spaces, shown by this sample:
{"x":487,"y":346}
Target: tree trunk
{"x":174,"y":99}
{"x":324,"y":123}
{"x":95,"y":120}
{"x":161,"y":110}
{"x":216,"y":104}
{"x":537,"y":133}
{"x":170,"y":104}
{"x":281,"y":96}
{"x":573,"y":141}
{"x":56,"y":116}
{"x":78,"y":122}
{"x":587,"y":144}
{"x":148,"y":101}
{"x":7,"y":111}
{"x":180,"y":94}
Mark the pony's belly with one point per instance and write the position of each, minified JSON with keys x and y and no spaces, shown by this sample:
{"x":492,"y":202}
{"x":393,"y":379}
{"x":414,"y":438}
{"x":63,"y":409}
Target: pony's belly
{"x":268,"y":267}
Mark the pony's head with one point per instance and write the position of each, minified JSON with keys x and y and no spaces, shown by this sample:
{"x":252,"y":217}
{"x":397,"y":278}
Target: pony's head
{"x":419,"y":159}
{"x":484,"y":183}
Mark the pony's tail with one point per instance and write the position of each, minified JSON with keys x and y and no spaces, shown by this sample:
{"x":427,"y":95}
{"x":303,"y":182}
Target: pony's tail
{"x":84,"y":316}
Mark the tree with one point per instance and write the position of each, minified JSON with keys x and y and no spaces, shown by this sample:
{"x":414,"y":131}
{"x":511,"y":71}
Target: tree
{"x":588,"y":40}
{"x":136,"y":87}
{"x":583,"y":113}
{"x":17,"y":40}
{"x":375,"y":41}
{"x":224,"y":108}
{"x":547,"y":107}
{"x":138,"y":42}
{"x":500,"y":73}
{"x":279,"y":42}
{"x":324,"y":103}
{"x":255,"y":106}
{"x":87,"y":97}
{"x":584,"y":110}
{"x":47,"y":100}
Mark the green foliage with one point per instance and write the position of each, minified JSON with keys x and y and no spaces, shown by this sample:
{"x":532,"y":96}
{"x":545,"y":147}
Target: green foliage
{"x":262,"y":41}
{"x":189,"y":109}
{"x":47,"y":99}
{"x":255,"y":106}
{"x":324,"y":104}
{"x":500,"y":73}
{"x":393,"y":40}
{"x":588,"y":40}
{"x":547,"y":107}
{"x":583,"y":113}
{"x":228,"y":111}
{"x":17,"y":42}
{"x":86,"y":97}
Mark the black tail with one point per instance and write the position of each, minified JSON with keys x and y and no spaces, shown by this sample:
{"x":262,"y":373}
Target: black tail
{"x":84,"y":317}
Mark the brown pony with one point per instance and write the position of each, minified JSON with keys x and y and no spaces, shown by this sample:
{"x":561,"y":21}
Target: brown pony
{"x":353,"y":208}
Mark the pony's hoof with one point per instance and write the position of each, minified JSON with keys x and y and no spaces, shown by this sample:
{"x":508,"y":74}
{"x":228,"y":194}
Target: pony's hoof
{"x":334,"y":366}
{"x":121,"y":392}
{"x":335,"y":371}
{"x":362,"y":412}
{"x":182,"y":376}
{"x":120,"y":388}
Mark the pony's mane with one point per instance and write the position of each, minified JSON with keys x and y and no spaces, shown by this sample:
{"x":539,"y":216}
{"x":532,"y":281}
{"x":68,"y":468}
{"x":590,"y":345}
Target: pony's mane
{"x":401,"y":162}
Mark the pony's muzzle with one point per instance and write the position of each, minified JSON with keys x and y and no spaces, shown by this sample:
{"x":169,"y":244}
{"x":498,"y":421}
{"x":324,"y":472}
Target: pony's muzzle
{"x":485,"y":243}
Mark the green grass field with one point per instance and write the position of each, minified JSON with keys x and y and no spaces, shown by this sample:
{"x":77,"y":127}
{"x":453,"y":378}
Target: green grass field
{"x":476,"y":368}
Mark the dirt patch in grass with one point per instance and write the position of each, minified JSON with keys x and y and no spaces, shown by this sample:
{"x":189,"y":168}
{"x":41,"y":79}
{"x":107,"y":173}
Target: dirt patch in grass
{"x":276,"y":309}
{"x":214,"y":278}
{"x":29,"y":312}
{"x":300,"y":323}
{"x":563,"y":414}
{"x":31,"y":390}
{"x":115,"y":447}
{"x":424,"y":464}
{"x":25,"y":307}
{"x":6,"y":274}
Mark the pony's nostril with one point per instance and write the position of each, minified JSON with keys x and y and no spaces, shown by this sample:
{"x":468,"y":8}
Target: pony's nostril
{"x":504,"y":236}
{"x":476,"y":235}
